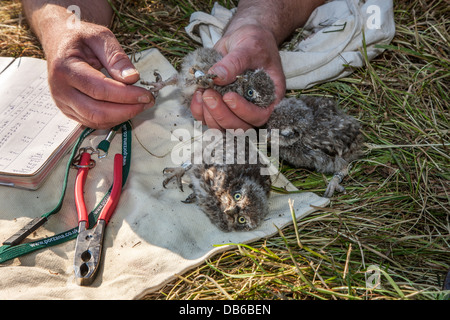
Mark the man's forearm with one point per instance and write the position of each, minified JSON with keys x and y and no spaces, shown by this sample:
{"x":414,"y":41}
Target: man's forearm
{"x":280,"y":17}
{"x":42,"y":15}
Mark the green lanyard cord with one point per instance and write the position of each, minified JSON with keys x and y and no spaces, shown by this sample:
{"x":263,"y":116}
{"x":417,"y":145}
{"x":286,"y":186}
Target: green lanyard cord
{"x":8,"y":252}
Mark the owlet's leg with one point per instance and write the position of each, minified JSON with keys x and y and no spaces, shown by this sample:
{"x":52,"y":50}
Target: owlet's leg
{"x":159,"y":83}
{"x":203,"y":80}
{"x":335,"y":183}
{"x":178,"y":173}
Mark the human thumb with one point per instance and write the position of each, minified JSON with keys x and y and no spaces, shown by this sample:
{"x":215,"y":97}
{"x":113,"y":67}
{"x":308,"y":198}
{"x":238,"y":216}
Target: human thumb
{"x":114,"y":60}
{"x":227,"y":69}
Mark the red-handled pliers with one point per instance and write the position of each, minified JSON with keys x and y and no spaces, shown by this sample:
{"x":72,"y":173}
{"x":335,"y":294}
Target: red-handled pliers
{"x":88,"y":248}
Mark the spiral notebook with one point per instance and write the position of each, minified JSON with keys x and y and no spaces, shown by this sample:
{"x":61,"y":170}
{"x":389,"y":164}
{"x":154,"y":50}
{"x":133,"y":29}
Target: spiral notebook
{"x":34,"y":133}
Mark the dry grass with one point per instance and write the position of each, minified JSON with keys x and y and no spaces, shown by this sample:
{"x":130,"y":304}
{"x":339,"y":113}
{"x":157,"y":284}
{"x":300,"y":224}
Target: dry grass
{"x":395,"y":214}
{"x":15,"y":37}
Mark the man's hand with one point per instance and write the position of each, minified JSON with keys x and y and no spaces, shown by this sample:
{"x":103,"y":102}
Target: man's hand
{"x":249,"y":47}
{"x":76,"y":54}
{"x":250,"y":41}
{"x":84,"y":93}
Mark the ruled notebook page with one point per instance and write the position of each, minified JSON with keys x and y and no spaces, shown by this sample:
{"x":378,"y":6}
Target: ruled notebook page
{"x":32,"y":128}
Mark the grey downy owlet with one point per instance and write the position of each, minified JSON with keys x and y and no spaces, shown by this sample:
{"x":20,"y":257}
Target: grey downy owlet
{"x":254,"y":85}
{"x":315,"y":134}
{"x":233,"y":194}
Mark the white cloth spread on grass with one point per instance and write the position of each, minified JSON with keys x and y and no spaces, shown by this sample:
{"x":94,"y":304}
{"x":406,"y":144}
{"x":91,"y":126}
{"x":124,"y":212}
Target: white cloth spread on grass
{"x":334,"y":38}
{"x":151,"y":237}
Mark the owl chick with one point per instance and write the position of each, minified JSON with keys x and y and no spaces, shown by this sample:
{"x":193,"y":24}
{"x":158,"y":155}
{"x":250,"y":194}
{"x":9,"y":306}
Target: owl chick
{"x":254,"y":85}
{"x":315,"y":134}
{"x":234,"y":196}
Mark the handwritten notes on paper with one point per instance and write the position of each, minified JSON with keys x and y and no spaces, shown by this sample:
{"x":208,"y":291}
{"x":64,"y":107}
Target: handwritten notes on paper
{"x":32,"y":128}
{"x":26,"y":140}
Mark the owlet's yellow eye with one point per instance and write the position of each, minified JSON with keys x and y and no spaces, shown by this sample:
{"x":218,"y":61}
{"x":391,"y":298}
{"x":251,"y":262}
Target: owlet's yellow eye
{"x":237,"y":196}
{"x":242,"y":220}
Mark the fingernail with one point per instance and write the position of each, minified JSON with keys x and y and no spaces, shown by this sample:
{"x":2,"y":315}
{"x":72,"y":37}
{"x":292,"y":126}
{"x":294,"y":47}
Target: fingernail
{"x":144,"y":98}
{"x":198,"y":97}
{"x":210,"y":102}
{"x":129,"y":72}
{"x":230,"y":103}
{"x":220,"y":72}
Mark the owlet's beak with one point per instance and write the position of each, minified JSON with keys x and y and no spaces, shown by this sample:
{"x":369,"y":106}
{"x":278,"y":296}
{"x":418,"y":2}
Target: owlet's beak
{"x":231,"y":210}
